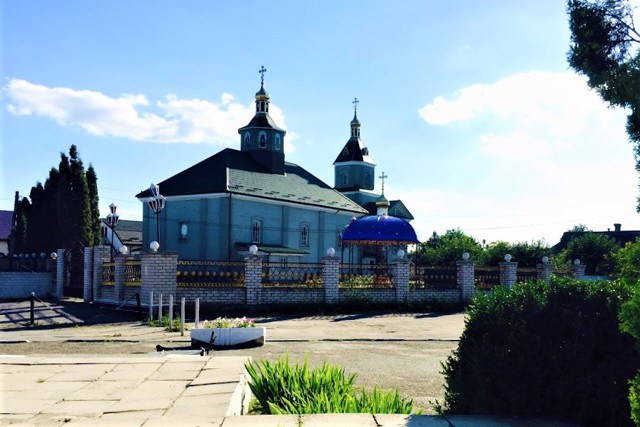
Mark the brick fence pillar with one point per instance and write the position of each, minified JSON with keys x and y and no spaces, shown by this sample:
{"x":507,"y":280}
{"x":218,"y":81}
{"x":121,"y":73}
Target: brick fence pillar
{"x":545,"y":270}
{"x":466,"y":274}
{"x":331,"y":279}
{"x":401,"y":280}
{"x":118,"y":277}
{"x":101,"y":254}
{"x":60,"y":272}
{"x":253,"y":278}
{"x":158,"y":274}
{"x":578,"y":270}
{"x":87,"y":278}
{"x":508,"y":273}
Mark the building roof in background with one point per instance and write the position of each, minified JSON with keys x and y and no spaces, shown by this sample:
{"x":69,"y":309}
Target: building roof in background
{"x":622,"y":237}
{"x":236,"y":172}
{"x":5,"y":224}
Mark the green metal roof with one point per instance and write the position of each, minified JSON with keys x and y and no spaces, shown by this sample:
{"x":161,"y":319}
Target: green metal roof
{"x":236,"y":172}
{"x":272,"y":249}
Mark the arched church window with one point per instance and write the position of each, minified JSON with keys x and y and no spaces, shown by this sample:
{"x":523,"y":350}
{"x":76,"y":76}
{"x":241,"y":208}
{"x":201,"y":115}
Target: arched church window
{"x":345,"y":179}
{"x":256,"y":231}
{"x":304,"y":236}
{"x":278,"y":140}
{"x":247,"y":139}
{"x":263,"y":140}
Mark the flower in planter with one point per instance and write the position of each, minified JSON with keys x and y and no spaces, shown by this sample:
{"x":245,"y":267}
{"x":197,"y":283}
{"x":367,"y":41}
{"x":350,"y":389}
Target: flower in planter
{"x":223,"y":322}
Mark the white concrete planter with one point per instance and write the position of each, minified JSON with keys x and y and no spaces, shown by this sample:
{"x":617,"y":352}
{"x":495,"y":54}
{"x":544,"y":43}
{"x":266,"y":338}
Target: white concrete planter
{"x":228,"y":337}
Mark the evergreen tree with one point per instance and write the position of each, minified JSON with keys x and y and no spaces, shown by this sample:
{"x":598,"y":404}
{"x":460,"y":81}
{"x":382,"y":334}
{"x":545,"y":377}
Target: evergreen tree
{"x":81,"y":213}
{"x":64,"y":202}
{"x":92,"y":183}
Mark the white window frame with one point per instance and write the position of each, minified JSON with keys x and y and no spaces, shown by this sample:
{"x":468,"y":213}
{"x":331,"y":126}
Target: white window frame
{"x":304,"y":236}
{"x":256,"y":231}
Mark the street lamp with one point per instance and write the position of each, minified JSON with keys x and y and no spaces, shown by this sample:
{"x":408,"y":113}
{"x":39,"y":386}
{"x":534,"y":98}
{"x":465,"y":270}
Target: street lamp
{"x":156,"y":203}
{"x":112,"y":222}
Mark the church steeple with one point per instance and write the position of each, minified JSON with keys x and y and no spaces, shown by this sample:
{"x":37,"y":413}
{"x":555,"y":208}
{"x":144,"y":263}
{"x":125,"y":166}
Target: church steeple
{"x":355,"y":123}
{"x":382,"y":204}
{"x":262,"y":138}
{"x":354,"y":167}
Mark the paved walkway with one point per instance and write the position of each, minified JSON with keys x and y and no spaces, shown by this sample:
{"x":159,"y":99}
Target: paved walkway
{"x":177,"y":389}
{"x":121,"y":391}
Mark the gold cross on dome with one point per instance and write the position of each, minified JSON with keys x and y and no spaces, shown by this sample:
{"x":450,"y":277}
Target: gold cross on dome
{"x":262,"y":70}
{"x":382,"y":177}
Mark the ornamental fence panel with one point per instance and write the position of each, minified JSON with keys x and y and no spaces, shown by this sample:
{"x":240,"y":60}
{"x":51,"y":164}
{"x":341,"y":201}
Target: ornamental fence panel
{"x":430,"y":277}
{"x":366,"y":276}
{"x":132,"y":273}
{"x":214,"y":274}
{"x":563,"y":272}
{"x":289,"y":274}
{"x":487,"y":277}
{"x":108,"y":274}
{"x":526,"y":274}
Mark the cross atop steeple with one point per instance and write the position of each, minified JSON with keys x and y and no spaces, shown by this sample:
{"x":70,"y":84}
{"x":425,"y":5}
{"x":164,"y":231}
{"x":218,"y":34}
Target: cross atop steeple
{"x":262,"y":70}
{"x":355,"y":105}
{"x":382,"y":177}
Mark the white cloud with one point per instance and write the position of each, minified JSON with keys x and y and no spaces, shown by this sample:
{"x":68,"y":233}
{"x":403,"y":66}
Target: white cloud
{"x":131,"y":116}
{"x":522,"y":116}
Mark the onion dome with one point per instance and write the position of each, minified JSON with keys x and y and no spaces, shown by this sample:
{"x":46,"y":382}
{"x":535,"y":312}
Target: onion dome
{"x":262,"y":95}
{"x":380,"y":230}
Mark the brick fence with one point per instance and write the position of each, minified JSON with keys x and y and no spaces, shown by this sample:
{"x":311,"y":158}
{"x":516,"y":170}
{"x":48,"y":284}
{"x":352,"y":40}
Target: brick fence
{"x":158,"y":273}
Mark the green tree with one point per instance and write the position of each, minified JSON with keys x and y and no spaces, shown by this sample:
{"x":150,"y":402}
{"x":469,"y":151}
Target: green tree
{"x":92,"y":183}
{"x":605,"y":48}
{"x":595,"y":250}
{"x":448,"y":248}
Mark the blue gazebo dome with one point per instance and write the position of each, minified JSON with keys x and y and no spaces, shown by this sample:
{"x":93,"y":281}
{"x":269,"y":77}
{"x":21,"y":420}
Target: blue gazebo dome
{"x":379,"y":230}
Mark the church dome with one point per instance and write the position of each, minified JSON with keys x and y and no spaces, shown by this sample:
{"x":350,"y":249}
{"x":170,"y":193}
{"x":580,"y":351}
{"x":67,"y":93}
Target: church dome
{"x":262,"y":95}
{"x":355,"y":120}
{"x":380,"y":230}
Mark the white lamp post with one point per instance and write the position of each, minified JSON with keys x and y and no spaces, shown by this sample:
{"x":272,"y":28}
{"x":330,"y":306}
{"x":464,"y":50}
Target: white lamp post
{"x":156,"y":203}
{"x":112,"y":222}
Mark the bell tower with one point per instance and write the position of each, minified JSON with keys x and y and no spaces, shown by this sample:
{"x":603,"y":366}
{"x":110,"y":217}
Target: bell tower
{"x":354,"y":168}
{"x":262,"y":138}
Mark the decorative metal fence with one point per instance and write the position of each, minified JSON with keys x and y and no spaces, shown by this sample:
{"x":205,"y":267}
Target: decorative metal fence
{"x":366,"y":276}
{"x":108,"y":274}
{"x":215,"y":274}
{"x":292,"y":274}
{"x":563,"y":273}
{"x":433,"y":277}
{"x":526,"y":274}
{"x":487,"y":277}
{"x":132,"y":273}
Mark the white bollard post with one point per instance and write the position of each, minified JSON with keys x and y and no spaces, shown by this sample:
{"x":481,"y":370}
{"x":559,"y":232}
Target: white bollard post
{"x":150,"y":306}
{"x":170,"y":313}
{"x":182,"y":317}
{"x":160,"y":309}
{"x":197,"y":321}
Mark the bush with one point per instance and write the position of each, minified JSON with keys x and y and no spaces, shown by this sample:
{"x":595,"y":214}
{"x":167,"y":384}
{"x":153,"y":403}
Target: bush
{"x":284,"y":389}
{"x":544,"y":349}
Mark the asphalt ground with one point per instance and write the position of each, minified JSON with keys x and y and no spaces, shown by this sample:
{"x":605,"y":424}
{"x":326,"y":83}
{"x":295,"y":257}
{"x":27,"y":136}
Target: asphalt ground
{"x":402,"y":351}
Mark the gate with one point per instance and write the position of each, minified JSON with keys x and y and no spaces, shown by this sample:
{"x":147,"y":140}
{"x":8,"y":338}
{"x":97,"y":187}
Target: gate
{"x":74,"y":271}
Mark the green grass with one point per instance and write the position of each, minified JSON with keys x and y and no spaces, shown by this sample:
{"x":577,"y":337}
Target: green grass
{"x":281,"y":388}
{"x":164,"y":322}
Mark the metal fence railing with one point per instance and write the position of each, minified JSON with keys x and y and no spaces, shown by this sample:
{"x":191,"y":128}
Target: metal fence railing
{"x":276,"y":274}
{"x":132,"y":273}
{"x":433,"y":277}
{"x":108,"y":274}
{"x":526,"y":274}
{"x":223,"y":274}
{"x":366,"y":276}
{"x":487,"y":277}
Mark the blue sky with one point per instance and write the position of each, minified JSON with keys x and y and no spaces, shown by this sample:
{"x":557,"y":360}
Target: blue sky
{"x":469,"y":107}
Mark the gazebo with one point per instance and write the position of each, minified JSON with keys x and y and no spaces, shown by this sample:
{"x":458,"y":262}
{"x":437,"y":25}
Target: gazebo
{"x":377,"y":234}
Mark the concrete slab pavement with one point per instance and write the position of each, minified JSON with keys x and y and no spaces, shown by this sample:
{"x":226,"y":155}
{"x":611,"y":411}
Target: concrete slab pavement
{"x":112,"y":391}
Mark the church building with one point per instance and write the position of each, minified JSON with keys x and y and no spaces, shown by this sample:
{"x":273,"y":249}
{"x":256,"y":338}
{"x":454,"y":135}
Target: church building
{"x":218,"y":208}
